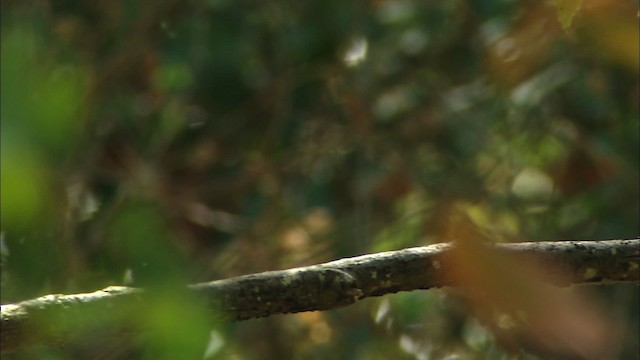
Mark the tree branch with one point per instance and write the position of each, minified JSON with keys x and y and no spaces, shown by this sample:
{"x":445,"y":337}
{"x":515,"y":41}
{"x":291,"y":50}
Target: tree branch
{"x":52,"y":319}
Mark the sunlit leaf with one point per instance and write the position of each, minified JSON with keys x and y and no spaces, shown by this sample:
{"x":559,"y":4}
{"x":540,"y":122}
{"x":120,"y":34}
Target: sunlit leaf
{"x":567,"y":9}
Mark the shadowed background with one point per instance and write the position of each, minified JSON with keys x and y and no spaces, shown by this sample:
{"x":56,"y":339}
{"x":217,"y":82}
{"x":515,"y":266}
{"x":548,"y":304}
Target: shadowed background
{"x":158,"y":143}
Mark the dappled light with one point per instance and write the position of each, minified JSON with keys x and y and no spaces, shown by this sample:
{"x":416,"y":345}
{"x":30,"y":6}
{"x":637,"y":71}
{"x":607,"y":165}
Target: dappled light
{"x":159,"y":144}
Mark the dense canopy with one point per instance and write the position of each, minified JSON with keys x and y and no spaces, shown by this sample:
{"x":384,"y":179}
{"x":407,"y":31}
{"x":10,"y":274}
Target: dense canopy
{"x":160,"y":143}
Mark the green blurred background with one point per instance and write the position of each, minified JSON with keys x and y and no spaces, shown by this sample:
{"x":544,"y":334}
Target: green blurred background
{"x":166,"y":142}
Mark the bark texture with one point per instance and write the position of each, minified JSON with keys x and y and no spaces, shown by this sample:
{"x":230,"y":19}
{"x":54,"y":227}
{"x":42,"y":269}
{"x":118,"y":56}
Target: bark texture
{"x":57,"y":319}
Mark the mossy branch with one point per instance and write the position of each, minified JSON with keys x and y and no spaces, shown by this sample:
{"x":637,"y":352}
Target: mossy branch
{"x":53,"y":319}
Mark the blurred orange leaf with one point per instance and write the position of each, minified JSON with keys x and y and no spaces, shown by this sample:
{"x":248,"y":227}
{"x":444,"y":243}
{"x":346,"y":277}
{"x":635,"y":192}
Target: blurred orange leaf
{"x":512,"y":297}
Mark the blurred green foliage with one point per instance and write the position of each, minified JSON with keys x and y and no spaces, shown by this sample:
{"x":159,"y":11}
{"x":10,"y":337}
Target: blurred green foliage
{"x":167,"y":142}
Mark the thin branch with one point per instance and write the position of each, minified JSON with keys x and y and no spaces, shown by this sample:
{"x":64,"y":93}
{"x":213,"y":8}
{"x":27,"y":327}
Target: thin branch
{"x":53,"y":319}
